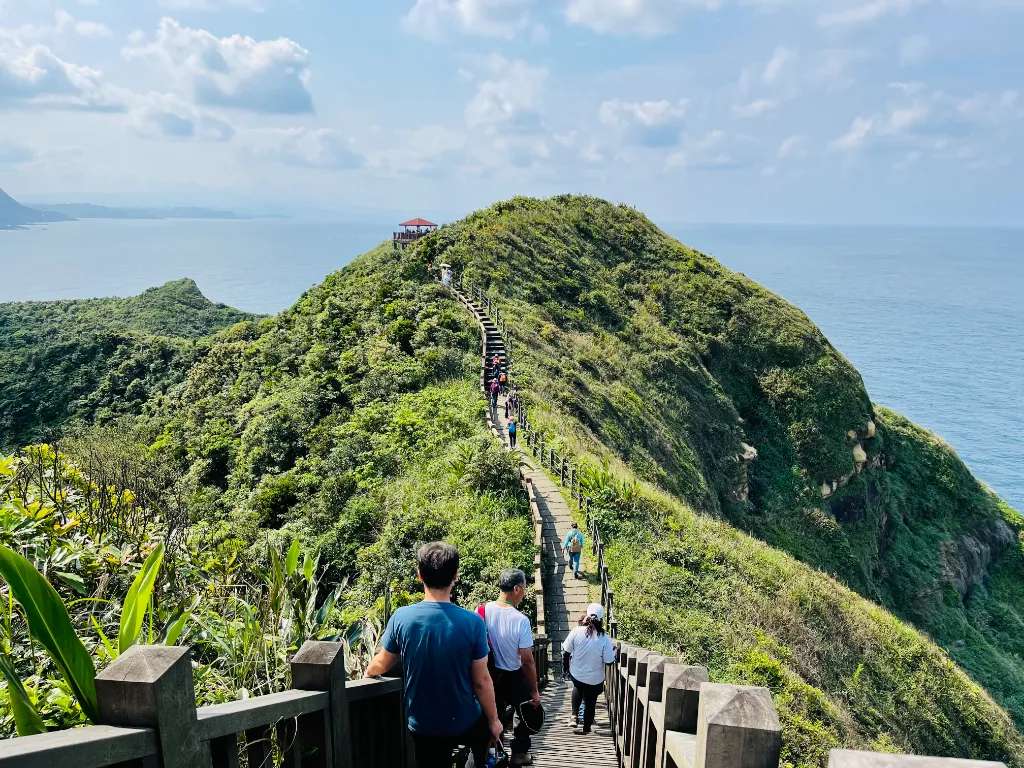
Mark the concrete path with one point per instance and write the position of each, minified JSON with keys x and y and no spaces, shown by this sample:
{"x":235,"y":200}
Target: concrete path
{"x":565,"y":600}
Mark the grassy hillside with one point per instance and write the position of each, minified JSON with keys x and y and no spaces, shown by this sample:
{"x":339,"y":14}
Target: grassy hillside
{"x":353,"y":424}
{"x":350,"y":427}
{"x":340,"y":419}
{"x":97,"y":358}
{"x":663,"y":360}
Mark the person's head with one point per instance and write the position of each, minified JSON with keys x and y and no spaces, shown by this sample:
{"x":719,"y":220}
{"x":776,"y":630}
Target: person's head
{"x":512,"y":584}
{"x":437,"y":564}
{"x":593,"y":619}
{"x":575,"y":525}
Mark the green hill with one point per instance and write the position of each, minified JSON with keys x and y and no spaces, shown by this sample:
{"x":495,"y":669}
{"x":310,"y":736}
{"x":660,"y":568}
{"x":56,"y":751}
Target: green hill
{"x":353,"y":421}
{"x":96,"y":358}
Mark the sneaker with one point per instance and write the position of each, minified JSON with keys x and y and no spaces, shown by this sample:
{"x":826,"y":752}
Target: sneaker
{"x":578,"y":730}
{"x":525,"y":759}
{"x":572,"y":722}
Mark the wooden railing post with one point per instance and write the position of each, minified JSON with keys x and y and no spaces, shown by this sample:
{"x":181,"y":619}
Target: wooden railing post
{"x":320,"y":666}
{"x":737,"y":725}
{"x":151,"y":686}
{"x":654,"y":713}
{"x":680,"y":703}
{"x":640,"y":714}
{"x":621,"y":665}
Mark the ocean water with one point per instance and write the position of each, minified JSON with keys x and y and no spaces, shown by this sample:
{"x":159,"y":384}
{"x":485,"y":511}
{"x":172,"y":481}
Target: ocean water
{"x":932,"y":318}
{"x":258,"y":265}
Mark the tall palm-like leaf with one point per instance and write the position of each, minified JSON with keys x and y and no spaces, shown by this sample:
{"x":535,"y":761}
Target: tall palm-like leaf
{"x":26,"y":719}
{"x":49,"y":624}
{"x":136,"y":602}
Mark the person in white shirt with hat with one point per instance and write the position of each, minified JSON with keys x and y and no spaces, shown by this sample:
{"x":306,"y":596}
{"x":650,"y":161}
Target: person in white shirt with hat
{"x":585,"y":653}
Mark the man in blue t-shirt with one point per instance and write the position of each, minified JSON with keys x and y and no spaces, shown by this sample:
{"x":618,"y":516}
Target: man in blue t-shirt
{"x":449,"y":697}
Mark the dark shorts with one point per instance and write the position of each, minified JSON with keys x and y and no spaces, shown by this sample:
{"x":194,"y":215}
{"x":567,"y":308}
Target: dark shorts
{"x":436,"y":751}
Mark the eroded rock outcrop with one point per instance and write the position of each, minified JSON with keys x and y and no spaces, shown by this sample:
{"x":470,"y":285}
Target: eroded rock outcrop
{"x":966,"y":559}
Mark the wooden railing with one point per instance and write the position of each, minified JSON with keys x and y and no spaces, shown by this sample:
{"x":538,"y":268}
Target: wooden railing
{"x":149,"y":719}
{"x":665,"y":713}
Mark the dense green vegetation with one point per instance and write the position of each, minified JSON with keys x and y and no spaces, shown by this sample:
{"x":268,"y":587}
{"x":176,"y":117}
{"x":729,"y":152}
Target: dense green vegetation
{"x":95,"y":359}
{"x":352,"y":425}
{"x":662,"y":362}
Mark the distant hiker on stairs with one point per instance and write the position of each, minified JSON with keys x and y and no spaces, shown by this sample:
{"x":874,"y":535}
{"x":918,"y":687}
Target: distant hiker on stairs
{"x":493,"y":392}
{"x":513,"y":433}
{"x":572,"y":545}
{"x":513,"y":668}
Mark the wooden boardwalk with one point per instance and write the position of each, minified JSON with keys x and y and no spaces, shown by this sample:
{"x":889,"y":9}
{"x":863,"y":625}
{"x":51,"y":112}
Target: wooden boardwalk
{"x":565,"y":600}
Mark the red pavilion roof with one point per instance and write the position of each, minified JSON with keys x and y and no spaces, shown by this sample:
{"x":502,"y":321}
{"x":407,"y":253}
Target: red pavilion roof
{"x":417,"y":223}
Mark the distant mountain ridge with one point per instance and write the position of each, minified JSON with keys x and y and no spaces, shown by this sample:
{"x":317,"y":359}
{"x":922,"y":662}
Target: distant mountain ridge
{"x":14,"y":214}
{"x":91,"y":211}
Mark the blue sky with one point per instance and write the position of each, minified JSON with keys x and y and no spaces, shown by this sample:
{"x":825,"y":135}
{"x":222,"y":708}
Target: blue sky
{"x":839,"y":111}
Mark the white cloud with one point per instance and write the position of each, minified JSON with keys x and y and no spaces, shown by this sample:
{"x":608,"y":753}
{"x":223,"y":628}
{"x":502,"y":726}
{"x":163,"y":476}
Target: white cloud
{"x":488,"y":18}
{"x":857,"y":134}
{"x":755,"y":108}
{"x":714,"y":151}
{"x":65,"y":22}
{"x":269,"y":76}
{"x":791,"y":147}
{"x":776,"y":64}
{"x":914,"y":49}
{"x":648,"y":123}
{"x":508,"y":95}
{"x":935,"y":123}
{"x":866,"y":12}
{"x":427,"y":150}
{"x":306,"y":147}
{"x":164,"y":116}
{"x":31,"y":73}
{"x":633,"y":17}
{"x":212,"y":5}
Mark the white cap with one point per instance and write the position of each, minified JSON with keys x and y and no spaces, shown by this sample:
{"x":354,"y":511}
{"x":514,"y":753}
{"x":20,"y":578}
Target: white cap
{"x":595,"y":610}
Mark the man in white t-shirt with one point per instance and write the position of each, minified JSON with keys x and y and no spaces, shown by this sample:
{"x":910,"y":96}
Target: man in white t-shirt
{"x":514,"y":670}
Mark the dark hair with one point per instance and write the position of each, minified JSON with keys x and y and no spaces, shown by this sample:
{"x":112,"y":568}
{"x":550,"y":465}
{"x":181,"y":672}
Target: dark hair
{"x":593,"y":624}
{"x":510,"y":579}
{"x":438,"y":563}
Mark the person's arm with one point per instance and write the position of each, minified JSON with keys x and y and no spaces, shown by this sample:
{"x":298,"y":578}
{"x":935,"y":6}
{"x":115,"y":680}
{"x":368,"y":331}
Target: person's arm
{"x":390,"y":651}
{"x":530,"y":670}
{"x":567,"y":646}
{"x":382,"y":663}
{"x":484,"y":689}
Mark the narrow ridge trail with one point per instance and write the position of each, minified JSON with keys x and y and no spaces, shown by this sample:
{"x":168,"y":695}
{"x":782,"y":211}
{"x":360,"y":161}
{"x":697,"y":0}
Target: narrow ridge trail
{"x":565,"y":599}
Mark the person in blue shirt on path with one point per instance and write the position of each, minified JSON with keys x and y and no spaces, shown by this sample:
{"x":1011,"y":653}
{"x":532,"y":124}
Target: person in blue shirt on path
{"x":449,"y":697}
{"x":572,"y":545}
{"x":513,"y":433}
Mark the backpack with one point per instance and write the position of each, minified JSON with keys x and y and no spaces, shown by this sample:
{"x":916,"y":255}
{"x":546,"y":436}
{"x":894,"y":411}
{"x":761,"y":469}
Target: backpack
{"x":576,"y":545}
{"x":481,"y":611}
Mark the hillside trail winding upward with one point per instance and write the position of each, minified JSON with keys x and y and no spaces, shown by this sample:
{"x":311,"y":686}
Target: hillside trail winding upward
{"x":565,"y":599}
